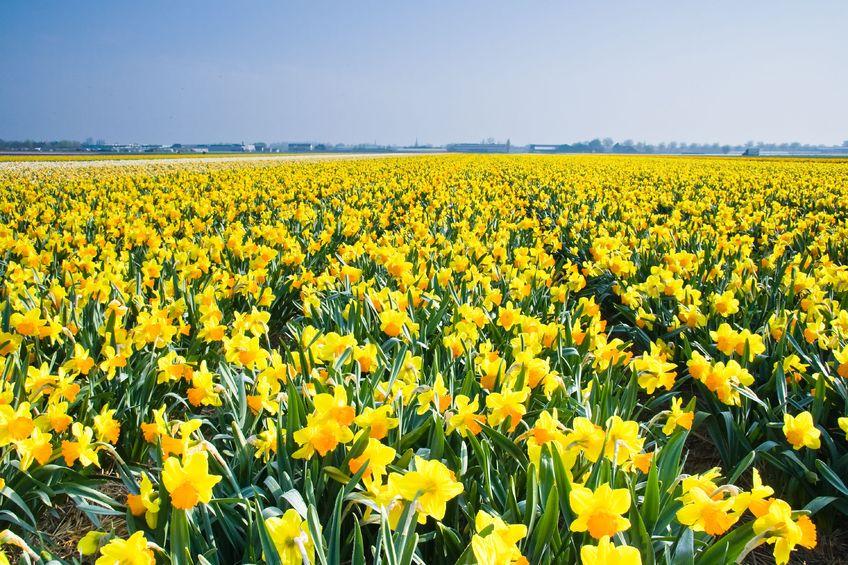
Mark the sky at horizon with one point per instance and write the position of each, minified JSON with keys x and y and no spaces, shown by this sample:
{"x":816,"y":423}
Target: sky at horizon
{"x":438,"y":72}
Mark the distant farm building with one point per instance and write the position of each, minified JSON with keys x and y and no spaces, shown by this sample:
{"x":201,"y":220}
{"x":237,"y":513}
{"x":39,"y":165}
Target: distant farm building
{"x":751,"y":152}
{"x":231,"y":148}
{"x":300,"y":147}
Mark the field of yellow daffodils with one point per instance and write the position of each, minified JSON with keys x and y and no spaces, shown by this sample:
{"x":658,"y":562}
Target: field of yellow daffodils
{"x":439,"y":359}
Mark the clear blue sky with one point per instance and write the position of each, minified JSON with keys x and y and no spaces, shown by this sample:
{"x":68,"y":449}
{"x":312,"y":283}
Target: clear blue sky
{"x":533,"y":71}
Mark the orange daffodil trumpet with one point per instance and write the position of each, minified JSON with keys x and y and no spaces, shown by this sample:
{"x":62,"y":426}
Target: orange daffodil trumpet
{"x":327,"y":426}
{"x":599,"y":512}
{"x":188,"y":481}
{"x":800,"y":431}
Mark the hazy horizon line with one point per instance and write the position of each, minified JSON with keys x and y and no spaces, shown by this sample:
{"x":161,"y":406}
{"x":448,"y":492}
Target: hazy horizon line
{"x":96,"y":140}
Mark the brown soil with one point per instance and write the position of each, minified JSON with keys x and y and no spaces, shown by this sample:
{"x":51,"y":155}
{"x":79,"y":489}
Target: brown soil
{"x":66,"y":525}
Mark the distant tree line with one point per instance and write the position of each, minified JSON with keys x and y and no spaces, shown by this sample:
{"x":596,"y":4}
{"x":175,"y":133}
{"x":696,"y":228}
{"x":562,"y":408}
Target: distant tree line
{"x":608,"y":145}
{"x":30,"y":145}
